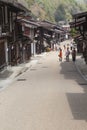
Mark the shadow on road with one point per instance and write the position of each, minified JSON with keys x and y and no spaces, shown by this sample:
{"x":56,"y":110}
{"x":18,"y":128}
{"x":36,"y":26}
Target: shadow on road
{"x":77,"y":101}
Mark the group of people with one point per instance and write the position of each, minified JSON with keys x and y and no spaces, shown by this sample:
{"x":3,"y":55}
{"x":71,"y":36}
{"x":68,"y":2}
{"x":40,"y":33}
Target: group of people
{"x":67,"y":53}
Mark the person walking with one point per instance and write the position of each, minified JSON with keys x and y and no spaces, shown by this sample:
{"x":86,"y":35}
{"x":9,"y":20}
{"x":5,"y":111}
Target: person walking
{"x":74,"y":55}
{"x":67,"y":54}
{"x":60,"y":54}
{"x":64,"y":47}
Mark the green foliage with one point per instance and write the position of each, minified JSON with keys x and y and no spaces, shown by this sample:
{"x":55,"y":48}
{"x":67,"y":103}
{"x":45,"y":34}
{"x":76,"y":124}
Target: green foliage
{"x":66,"y":9}
{"x":58,"y":10}
{"x":30,"y":2}
{"x":73,"y":32}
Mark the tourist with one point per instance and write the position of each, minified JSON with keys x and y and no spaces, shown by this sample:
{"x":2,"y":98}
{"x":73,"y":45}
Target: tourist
{"x":74,"y":55}
{"x":60,"y":54}
{"x":67,"y":54}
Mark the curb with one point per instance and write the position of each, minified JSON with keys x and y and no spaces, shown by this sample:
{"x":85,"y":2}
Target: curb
{"x":82,"y":75}
{"x":21,"y":72}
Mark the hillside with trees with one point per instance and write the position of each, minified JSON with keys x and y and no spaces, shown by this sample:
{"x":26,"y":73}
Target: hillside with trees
{"x":56,"y":10}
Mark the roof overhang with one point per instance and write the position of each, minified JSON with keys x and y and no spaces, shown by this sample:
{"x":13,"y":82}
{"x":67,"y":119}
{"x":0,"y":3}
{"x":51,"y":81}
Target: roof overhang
{"x":27,"y":23}
{"x":80,"y":15}
{"x":20,"y":5}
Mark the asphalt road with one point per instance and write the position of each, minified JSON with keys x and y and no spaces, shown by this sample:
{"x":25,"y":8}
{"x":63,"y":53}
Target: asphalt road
{"x":49,"y":96}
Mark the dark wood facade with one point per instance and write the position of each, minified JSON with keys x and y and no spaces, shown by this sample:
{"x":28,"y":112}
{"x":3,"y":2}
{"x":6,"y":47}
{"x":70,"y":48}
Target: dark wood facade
{"x":21,"y":37}
{"x":49,"y":32}
{"x":11,"y":32}
{"x":80,"y":24}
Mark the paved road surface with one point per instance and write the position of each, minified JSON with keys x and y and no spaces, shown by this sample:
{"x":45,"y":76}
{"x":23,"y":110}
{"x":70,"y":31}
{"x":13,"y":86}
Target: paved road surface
{"x":50,"y":96}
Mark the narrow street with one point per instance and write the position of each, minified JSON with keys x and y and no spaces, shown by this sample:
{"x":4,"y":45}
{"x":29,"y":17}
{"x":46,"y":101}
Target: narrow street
{"x":50,"y":96}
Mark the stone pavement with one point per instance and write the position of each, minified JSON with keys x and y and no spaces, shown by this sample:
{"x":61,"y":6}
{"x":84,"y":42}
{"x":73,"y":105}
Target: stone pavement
{"x":49,"y":96}
{"x":81,"y":66}
{"x":80,"y":63}
{"x":11,"y":72}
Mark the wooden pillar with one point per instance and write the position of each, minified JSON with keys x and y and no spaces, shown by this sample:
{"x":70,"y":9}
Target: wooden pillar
{"x":6,"y":53}
{"x":41,"y":39}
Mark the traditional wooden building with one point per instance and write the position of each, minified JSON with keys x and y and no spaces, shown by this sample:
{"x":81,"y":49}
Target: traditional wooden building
{"x":49,"y":32}
{"x":29,"y":30}
{"x":9,"y":35}
{"x":20,"y":36}
{"x":80,"y":24}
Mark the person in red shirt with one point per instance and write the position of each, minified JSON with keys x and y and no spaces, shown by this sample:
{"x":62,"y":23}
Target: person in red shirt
{"x":60,"y":54}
